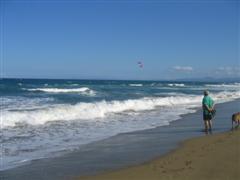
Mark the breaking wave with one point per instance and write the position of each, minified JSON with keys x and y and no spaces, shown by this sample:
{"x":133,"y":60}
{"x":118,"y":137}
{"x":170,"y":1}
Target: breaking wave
{"x":234,"y":85}
{"x":137,"y":85}
{"x":85,"y":90}
{"x":101,"y":109}
{"x":177,"y":85}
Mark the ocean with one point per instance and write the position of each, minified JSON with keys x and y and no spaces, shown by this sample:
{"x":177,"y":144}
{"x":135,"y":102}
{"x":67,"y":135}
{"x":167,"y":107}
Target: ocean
{"x":42,"y":118}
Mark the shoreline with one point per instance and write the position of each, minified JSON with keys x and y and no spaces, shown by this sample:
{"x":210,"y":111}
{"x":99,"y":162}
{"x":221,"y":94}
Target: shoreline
{"x":124,"y":150}
{"x":209,"y":157}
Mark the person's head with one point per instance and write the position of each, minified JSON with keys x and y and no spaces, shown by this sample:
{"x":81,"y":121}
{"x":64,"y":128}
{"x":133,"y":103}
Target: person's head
{"x":206,"y":93}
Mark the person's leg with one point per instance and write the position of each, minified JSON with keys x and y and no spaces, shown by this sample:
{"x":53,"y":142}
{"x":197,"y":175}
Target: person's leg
{"x":210,"y":125}
{"x":206,"y":125}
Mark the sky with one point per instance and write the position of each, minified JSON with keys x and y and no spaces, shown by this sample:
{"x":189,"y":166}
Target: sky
{"x":105,"y":39}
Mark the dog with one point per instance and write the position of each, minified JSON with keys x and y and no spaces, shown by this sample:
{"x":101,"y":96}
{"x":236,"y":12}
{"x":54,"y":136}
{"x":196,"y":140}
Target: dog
{"x":236,"y":119}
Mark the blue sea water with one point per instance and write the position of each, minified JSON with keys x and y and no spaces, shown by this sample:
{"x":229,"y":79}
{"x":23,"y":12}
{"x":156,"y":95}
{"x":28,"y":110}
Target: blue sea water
{"x":42,"y":118}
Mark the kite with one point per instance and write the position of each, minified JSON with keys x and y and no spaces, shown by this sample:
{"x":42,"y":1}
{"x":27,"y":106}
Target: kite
{"x":140,"y":64}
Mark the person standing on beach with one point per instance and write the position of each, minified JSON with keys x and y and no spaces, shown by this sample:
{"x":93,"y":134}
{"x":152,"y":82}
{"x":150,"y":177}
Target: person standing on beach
{"x":208,"y":108}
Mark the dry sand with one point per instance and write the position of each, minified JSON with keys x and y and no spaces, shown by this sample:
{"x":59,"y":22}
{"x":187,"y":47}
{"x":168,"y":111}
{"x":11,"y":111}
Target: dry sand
{"x":213,"y":157}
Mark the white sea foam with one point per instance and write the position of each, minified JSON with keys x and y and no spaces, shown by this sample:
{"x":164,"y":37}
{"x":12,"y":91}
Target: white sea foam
{"x":137,"y":85}
{"x":170,"y":94}
{"x":103,"y":108}
{"x":82,"y":90}
{"x":233,"y":85}
{"x":177,"y":85}
{"x":74,"y":84}
{"x":24,"y":103}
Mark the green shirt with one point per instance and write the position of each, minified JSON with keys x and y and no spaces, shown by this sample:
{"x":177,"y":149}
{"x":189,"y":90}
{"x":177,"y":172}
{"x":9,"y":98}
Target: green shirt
{"x":207,"y":100}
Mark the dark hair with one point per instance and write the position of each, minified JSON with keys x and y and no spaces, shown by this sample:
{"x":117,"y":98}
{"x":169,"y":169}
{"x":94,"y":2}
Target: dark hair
{"x":206,"y":92}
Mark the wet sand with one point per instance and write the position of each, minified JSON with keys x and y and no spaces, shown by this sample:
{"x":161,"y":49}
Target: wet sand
{"x":214,"y":157}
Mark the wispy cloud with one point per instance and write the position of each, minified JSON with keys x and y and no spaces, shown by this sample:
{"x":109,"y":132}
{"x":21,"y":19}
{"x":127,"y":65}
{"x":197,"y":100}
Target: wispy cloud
{"x":183,"y":68}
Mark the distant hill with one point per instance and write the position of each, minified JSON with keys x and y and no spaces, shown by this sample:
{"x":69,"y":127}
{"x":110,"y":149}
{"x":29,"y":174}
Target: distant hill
{"x":211,"y":79}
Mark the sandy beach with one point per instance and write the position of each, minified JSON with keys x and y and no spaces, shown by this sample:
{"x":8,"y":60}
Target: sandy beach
{"x":209,"y":157}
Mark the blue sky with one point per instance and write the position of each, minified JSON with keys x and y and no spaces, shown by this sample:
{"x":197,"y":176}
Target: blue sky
{"x":105,"y":39}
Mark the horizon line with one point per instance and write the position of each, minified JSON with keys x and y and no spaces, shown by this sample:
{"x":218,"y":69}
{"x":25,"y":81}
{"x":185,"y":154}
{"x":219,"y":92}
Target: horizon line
{"x":205,"y":79}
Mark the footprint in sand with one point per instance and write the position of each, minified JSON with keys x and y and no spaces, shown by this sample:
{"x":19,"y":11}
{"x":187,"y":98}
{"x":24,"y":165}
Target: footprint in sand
{"x":187,"y":163}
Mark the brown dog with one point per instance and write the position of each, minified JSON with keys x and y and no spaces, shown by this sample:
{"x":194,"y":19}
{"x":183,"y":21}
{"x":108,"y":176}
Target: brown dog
{"x":236,"y":119}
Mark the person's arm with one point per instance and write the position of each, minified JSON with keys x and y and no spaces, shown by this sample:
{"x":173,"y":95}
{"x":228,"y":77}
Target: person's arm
{"x":213,"y":106}
{"x":206,"y":107}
